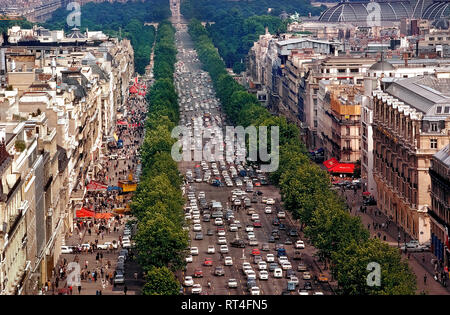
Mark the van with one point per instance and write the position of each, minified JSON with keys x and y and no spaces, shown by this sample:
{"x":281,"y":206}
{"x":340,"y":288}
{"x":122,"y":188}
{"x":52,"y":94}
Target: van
{"x":66,"y":250}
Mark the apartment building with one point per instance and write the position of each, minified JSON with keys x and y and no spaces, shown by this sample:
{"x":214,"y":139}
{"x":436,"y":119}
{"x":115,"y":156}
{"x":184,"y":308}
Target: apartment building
{"x":411,"y":121}
{"x":339,"y":111}
{"x":64,"y":108}
{"x":439,"y":210}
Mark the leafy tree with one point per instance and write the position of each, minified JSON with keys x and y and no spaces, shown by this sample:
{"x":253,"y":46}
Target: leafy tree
{"x":160,"y":281}
{"x":350,"y":269}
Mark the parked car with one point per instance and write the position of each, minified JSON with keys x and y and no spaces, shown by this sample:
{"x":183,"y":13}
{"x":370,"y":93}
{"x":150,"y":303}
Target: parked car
{"x":119,"y":278}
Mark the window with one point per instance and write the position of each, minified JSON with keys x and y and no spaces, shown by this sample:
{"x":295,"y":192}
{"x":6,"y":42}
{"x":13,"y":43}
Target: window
{"x":347,"y":131}
{"x":341,"y":70}
{"x":433,"y":143}
{"x":446,"y":109}
{"x":434,"y":127}
{"x":438,"y":109}
{"x":354,"y":70}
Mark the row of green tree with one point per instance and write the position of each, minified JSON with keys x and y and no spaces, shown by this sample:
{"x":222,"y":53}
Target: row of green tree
{"x":124,"y":20}
{"x":158,"y":203}
{"x":341,"y":239}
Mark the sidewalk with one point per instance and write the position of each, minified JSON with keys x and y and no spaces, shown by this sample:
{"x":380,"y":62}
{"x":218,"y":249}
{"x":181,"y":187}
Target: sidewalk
{"x":391,"y":233}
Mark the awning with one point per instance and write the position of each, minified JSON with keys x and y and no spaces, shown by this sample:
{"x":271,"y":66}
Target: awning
{"x":85,"y":213}
{"x":342,"y":168}
{"x":93,"y":186}
{"x":330,"y":163}
{"x":104,"y":215}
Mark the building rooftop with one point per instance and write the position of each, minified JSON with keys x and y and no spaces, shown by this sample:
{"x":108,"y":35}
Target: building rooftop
{"x":443,"y":156}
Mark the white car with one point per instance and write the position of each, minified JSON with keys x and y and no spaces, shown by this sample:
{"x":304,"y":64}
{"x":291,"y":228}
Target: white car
{"x":270,"y":201}
{"x":251,"y":275}
{"x":249,"y":228}
{"x":196,"y":289}
{"x":255,"y":291}
{"x":278,"y":273}
{"x":221,"y":232}
{"x":233,"y":228}
{"x":303,"y":292}
{"x":194,"y":251}
{"x":218,"y":221}
{"x":232,"y":283}
{"x":268,"y":210}
{"x":224,"y":249}
{"x":228,"y":261}
{"x":222,"y":240}
{"x":281,"y":215}
{"x":262,"y":265}
{"x":282,"y":259}
{"x":189,"y":259}
{"x":188,"y":281}
{"x":255,"y":216}
{"x":270,"y":258}
{"x":299,"y":244}
{"x":263,"y":275}
{"x":197,"y":227}
{"x":318,"y":293}
{"x":211,"y":249}
{"x":67,"y":250}
{"x":286,"y":265}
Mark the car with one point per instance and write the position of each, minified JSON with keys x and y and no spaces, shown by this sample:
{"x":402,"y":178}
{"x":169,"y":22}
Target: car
{"x":198,"y":236}
{"x":318,"y":293}
{"x":189,"y":259}
{"x":232,"y":283}
{"x":233,"y":227}
{"x":210,"y":232}
{"x":238,"y":243}
{"x":277,"y":273}
{"x":268,"y":210}
{"x":294,"y":279}
{"x":257,"y":224}
{"x":188,"y":281}
{"x":197,"y":227}
{"x":270,"y":258}
{"x":255,"y":217}
{"x":265,"y":247}
{"x":282,"y":259}
{"x":307,"y":285}
{"x":228,"y":261}
{"x":196,"y":289}
{"x":250,"y":235}
{"x":219,"y":271}
{"x":211,"y":249}
{"x":299,"y":244}
{"x":218,"y":221}
{"x":303,"y":292}
{"x":263,"y":275}
{"x":221,"y":232}
{"x":270,"y":201}
{"x":293,"y":233}
{"x":281,"y":215}
{"x":255,"y":291}
{"x":194,"y":251}
{"x":322,"y":278}
{"x":262,"y":265}
{"x":286,"y":265}
{"x":119,"y":278}
{"x":273,"y":266}
{"x":224,"y":249}
{"x":198,"y":273}
{"x":288,"y":241}
{"x":302,"y":267}
{"x":249,"y":228}
{"x":271,"y":239}
{"x":264,"y":199}
{"x":282,"y":227}
{"x":207,"y":262}
{"x":66,"y":250}
{"x":256,"y":251}
{"x":250,"y":274}
{"x":306,"y":275}
{"x":221,"y":240}
{"x":253,"y":241}
{"x":276,"y":221}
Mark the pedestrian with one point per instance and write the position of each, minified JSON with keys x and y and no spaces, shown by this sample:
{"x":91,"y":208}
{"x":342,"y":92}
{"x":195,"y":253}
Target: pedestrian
{"x":79,"y":289}
{"x":125,"y":289}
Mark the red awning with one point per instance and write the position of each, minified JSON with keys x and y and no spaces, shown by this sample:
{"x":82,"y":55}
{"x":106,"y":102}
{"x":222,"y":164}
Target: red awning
{"x":93,"y":186}
{"x":330,"y":163}
{"x":342,"y":168}
{"x":84,"y":213}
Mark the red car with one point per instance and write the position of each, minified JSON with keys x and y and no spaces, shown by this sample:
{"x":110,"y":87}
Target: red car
{"x":257,"y":184}
{"x":256,"y":252}
{"x":208,"y":262}
{"x":198,"y":273}
{"x":257,"y":224}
